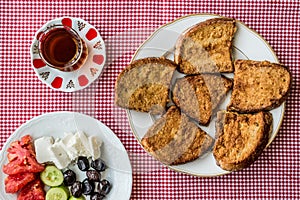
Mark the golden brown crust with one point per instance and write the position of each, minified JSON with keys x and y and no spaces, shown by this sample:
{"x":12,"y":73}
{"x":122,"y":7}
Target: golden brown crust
{"x":206,"y":47}
{"x":144,"y":85}
{"x":199,"y":96}
{"x":241,"y":138}
{"x":174,"y":139}
{"x":259,"y":86}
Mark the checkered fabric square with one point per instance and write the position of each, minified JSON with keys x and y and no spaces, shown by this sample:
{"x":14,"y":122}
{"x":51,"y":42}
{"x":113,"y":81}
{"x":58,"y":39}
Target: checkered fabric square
{"x":124,"y":25}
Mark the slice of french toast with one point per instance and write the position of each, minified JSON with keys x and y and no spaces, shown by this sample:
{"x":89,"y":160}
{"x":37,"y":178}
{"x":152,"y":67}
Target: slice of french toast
{"x":259,"y":86}
{"x":144,"y":85}
{"x":174,"y":139}
{"x":199,"y":96}
{"x":206,"y":47}
{"x":240,"y":138}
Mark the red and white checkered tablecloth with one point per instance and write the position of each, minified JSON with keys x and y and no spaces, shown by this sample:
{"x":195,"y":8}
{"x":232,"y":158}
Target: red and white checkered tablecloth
{"x":276,"y":175}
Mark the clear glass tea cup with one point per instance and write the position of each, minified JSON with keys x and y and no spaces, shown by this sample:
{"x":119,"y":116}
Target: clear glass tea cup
{"x":61,"y":47}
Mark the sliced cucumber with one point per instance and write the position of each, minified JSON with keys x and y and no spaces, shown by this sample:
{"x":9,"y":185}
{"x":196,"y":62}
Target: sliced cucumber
{"x":57,"y":193}
{"x":74,"y":198}
{"x":52,"y":176}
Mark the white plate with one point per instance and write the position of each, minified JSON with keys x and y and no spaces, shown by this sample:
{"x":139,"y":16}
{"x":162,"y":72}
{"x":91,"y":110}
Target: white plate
{"x":85,"y":75}
{"x":247,"y":45}
{"x":55,"y":124}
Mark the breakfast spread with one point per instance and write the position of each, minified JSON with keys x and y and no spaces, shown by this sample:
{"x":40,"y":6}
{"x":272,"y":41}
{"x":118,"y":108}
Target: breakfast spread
{"x":39,"y":168}
{"x":202,"y":54}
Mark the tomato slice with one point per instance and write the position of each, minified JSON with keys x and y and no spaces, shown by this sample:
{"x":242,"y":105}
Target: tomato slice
{"x":29,"y":165}
{"x":13,"y":183}
{"x":25,"y":145}
{"x":21,"y":157}
{"x":32,"y":191}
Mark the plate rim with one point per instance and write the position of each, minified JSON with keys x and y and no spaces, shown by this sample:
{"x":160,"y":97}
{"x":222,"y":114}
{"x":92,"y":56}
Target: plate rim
{"x":13,"y":136}
{"x":153,"y":34}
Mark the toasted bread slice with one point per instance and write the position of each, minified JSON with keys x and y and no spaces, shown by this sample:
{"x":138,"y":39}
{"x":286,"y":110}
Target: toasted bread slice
{"x":259,"y":86}
{"x":174,"y":139}
{"x":144,"y":85}
{"x":199,"y":96}
{"x":241,"y":138}
{"x":206,"y":47}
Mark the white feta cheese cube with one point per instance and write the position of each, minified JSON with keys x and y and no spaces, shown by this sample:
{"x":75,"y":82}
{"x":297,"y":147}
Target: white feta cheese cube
{"x":94,"y":146}
{"x":67,"y":144}
{"x":42,"y":145}
{"x":61,"y":158}
{"x":85,"y":150}
{"x":75,"y":146}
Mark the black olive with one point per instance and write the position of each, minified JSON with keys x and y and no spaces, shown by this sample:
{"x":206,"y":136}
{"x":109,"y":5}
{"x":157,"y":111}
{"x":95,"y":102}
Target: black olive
{"x":98,"y":165}
{"x":105,"y":187}
{"x":87,"y":187}
{"x":83,"y":163}
{"x":69,"y":177}
{"x":93,"y":175}
{"x":97,"y":196}
{"x":76,"y":189}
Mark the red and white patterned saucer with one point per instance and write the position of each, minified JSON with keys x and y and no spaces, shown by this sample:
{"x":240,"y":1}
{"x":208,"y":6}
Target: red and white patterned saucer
{"x":82,"y":77}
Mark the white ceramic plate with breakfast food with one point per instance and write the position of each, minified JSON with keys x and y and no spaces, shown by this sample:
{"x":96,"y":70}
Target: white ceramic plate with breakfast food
{"x":55,"y":124}
{"x":247,"y":45}
{"x":91,"y":67}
